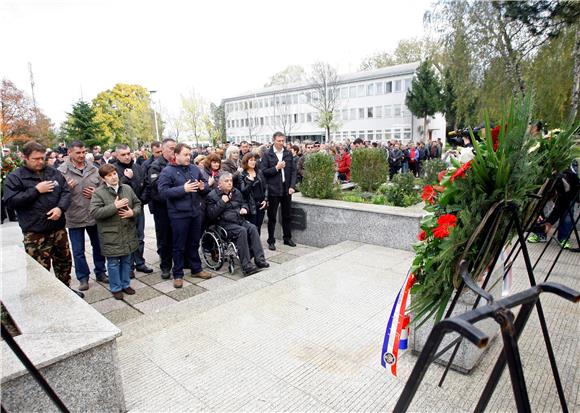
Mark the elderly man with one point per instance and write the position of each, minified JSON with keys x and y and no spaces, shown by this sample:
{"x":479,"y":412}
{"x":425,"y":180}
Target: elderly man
{"x":82,"y":178}
{"x":227,"y":207}
{"x":41,"y":196}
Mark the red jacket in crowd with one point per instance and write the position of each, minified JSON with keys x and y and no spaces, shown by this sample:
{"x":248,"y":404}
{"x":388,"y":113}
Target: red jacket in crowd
{"x":344,"y":165}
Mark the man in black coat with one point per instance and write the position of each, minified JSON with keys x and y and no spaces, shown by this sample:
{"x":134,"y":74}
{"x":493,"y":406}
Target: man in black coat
{"x":130,"y":173}
{"x":40,"y":196}
{"x":279,"y":169}
{"x":226,"y":206}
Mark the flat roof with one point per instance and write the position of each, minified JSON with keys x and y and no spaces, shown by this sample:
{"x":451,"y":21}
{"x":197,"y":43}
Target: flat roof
{"x":390,"y":71}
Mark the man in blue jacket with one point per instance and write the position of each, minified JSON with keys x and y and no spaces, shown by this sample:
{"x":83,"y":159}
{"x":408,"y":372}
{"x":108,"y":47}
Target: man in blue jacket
{"x":280,"y":172}
{"x":40,"y":196}
{"x":181,"y":185}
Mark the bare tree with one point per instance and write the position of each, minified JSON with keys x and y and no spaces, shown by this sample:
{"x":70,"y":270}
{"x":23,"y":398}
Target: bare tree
{"x":252,"y":121}
{"x":324,"y":80}
{"x":194,"y":107}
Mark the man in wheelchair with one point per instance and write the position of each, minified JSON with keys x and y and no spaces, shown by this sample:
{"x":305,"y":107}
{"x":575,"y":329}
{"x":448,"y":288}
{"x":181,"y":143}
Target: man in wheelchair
{"x":226,"y":207}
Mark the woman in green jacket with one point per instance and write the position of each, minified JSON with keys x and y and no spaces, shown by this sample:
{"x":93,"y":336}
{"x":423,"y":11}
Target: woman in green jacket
{"x":114,"y":207}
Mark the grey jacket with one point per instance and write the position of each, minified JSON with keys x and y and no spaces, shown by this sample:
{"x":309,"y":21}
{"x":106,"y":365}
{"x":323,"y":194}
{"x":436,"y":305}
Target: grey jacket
{"x":77,"y":215}
{"x":118,"y":236}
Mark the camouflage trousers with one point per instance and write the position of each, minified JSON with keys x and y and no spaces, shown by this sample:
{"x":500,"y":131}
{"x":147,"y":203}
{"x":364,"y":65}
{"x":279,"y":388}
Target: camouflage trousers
{"x":50,"y":248}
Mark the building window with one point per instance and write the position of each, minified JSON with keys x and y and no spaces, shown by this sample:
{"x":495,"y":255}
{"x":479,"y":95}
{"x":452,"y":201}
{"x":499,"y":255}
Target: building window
{"x":296,"y":118}
{"x":345,"y":114}
{"x":379,"y":87}
{"x":388,"y":135}
{"x":308,"y":97}
{"x":361,"y":113}
{"x":337,"y":115}
{"x":345,"y":134}
{"x":361,"y":91}
{"x":405,"y":112}
{"x":370,"y":135}
{"x":407,"y":134}
{"x":295,"y":99}
{"x":315,"y":117}
{"x":309,"y":117}
{"x":379,"y":135}
{"x":388,"y":111}
{"x":388,"y":87}
{"x":378,"y":111}
{"x":302,"y":118}
{"x":353,"y":134}
{"x":408,"y":83}
{"x":397,"y":134}
{"x":397,"y":85}
{"x":397,"y":111}
{"x":371,"y":89}
{"x":361,"y":134}
{"x":302,"y":98}
{"x":343,"y":92}
{"x":246,"y":105}
{"x":369,"y":112}
{"x":352,"y":92}
{"x":352,"y":114}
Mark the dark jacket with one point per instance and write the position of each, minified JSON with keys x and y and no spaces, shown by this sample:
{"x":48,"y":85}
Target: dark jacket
{"x":151,"y":192}
{"x":20,"y":193}
{"x":255,"y":191}
{"x":181,"y":204}
{"x":117,"y":236}
{"x":226,"y":212}
{"x":136,"y":183}
{"x":567,"y":187}
{"x":274,"y":177}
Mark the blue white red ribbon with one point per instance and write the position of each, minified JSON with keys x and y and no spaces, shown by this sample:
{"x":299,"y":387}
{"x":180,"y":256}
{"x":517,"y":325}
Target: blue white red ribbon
{"x":397,"y":321}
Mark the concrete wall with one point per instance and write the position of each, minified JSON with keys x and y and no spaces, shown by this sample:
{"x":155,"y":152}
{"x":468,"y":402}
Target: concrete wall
{"x":329,"y":222}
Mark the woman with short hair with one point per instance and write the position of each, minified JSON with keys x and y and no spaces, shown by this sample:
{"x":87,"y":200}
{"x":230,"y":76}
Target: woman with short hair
{"x":254,"y":189}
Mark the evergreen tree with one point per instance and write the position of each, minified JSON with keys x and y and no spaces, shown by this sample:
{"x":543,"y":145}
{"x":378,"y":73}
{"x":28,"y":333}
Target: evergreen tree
{"x":424,"y":98}
{"x":81,"y":125}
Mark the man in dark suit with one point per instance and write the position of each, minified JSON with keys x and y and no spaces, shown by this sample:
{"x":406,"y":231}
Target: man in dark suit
{"x":280,"y":172}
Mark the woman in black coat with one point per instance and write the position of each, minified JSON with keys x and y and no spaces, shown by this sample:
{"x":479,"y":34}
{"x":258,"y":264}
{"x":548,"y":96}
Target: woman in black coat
{"x":254,"y":189}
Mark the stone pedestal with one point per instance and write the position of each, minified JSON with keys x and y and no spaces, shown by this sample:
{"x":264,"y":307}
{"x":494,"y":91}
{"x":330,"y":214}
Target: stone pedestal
{"x":468,"y":355}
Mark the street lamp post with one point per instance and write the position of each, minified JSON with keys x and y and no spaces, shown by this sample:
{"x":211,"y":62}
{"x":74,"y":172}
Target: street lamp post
{"x":155,"y":115}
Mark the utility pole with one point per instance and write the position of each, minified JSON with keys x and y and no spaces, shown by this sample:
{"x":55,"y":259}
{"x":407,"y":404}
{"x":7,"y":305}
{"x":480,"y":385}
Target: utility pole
{"x":32,"y":89}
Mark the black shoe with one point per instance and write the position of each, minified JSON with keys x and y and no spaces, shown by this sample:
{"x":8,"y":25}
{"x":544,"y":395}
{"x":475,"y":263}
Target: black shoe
{"x":262,"y":264}
{"x":290,"y":243}
{"x":102,"y":278}
{"x":145,"y":269}
{"x":251,"y":270}
{"x":81,"y":295}
{"x":165,"y":274}
{"x":272,"y":246}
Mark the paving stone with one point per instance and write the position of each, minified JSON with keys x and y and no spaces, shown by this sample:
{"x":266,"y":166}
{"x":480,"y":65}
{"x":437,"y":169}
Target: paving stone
{"x":136,"y":284}
{"x":184,"y":293}
{"x":216,"y":283}
{"x":151,"y":279}
{"x":300,"y":251}
{"x":108,"y":305}
{"x":154,"y":304}
{"x":282,"y":258}
{"x":167,"y":286}
{"x":96,"y":292}
{"x":122,"y":315}
{"x":141,"y":294}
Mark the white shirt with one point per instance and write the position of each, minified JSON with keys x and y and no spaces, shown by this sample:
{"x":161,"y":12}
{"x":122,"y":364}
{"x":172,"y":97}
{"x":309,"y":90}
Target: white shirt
{"x":280,"y":155}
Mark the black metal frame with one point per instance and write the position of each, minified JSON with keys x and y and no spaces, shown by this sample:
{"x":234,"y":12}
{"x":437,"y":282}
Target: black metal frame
{"x":32,"y":370}
{"x":511,"y":328}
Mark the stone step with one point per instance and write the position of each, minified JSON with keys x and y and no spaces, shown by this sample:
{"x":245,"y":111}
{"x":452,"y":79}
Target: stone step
{"x":173,"y":314}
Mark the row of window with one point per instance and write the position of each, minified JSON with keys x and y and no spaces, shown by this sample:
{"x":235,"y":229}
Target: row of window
{"x":371,"y":112}
{"x":346,"y":92}
{"x":383,"y":135}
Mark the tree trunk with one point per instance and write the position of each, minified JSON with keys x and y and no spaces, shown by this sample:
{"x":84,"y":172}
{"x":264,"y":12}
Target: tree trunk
{"x":425,"y":131}
{"x":576,"y":76}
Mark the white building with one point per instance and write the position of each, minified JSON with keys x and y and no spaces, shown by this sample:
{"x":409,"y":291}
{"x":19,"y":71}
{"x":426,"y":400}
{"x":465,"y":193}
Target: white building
{"x":370,"y":105}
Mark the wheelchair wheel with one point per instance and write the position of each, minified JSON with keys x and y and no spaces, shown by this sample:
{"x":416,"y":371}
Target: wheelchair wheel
{"x":211,"y":250}
{"x":232,"y":256}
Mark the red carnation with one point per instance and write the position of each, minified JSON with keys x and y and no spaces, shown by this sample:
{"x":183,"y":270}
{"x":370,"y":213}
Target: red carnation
{"x":444,"y":223}
{"x":442,"y":174}
{"x":422,"y":235}
{"x":428,"y":194}
{"x":460,"y":173}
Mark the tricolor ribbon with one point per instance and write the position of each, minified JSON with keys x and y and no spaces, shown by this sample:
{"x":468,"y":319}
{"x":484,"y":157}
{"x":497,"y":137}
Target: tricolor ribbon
{"x":397,"y":321}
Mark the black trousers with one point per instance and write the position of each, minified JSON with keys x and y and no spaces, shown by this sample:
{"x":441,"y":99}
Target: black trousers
{"x":186,"y":235}
{"x":257,"y":219}
{"x":247,"y":242}
{"x":164,"y":237}
{"x":273,"y":202}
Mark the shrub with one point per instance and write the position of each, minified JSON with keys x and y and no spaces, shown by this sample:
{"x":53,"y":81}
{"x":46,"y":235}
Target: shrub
{"x":318,"y":176}
{"x":402,"y":191}
{"x":430,"y":170}
{"x":369,"y":168}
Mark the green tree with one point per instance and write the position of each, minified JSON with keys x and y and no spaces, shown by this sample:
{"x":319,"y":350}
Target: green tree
{"x":292,"y":74}
{"x":407,"y":51}
{"x":218,"y":118}
{"x":125,"y":115}
{"x":81,"y":125}
{"x":424,"y":98}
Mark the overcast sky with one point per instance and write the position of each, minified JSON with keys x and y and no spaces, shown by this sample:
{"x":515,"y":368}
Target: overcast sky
{"x":220,"y":48}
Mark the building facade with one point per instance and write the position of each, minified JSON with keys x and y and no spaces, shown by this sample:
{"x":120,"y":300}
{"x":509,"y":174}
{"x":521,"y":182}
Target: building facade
{"x":369,"y":105}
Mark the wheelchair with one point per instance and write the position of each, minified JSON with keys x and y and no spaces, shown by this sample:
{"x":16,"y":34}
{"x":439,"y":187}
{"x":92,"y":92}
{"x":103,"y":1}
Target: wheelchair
{"x":217,"y":249}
